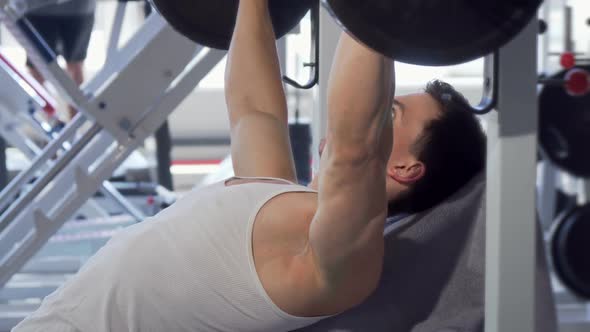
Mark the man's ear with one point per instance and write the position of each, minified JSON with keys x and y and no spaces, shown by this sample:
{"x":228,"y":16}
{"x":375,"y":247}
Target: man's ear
{"x":407,"y":173}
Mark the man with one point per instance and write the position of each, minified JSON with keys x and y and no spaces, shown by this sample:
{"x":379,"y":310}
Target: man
{"x":66,"y":28}
{"x":258,"y":252}
{"x":438,"y":146}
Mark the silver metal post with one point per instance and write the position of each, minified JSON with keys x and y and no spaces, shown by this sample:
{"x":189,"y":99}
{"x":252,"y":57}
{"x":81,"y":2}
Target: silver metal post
{"x":547,"y":193}
{"x":117,"y":27}
{"x":8,"y":194}
{"x":568,"y":34}
{"x":544,"y":39}
{"x":282,"y":53}
{"x":111,"y":192}
{"x":511,"y":177}
{"x":583,"y":191}
{"x":81,"y":177}
{"x":46,"y":178}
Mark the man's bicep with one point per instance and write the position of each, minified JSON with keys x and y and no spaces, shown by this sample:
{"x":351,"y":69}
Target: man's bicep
{"x":260,"y":147}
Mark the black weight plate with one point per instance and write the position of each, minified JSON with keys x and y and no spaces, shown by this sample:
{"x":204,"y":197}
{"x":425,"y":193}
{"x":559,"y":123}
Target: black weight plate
{"x":211,"y":23}
{"x":570,"y":250}
{"x":434,"y":32}
{"x":564,"y":128}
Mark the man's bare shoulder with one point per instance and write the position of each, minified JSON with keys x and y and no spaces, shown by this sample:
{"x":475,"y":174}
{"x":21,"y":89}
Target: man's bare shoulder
{"x":288,"y":269}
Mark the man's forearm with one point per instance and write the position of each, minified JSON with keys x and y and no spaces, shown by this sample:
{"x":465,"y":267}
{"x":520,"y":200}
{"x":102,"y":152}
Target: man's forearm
{"x":348,"y":227}
{"x":360,"y":95}
{"x":253,"y":75}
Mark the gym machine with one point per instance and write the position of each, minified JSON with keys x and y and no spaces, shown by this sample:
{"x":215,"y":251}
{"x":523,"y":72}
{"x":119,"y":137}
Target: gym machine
{"x":116,"y":115}
{"x":29,"y":121}
{"x":564,"y":166}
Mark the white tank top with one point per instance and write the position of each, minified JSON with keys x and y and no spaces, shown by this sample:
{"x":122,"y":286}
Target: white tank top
{"x":189,"y":268}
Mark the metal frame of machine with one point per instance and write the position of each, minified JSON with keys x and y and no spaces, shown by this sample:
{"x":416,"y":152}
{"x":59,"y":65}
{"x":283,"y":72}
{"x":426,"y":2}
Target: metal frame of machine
{"x":120,"y":114}
{"x":510,"y":196}
{"x":20,"y":108}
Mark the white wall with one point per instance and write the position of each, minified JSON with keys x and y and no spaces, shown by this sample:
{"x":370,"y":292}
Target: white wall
{"x":203,"y":114}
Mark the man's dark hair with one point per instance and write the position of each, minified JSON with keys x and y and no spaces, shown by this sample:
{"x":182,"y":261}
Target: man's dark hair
{"x":452,"y":147}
